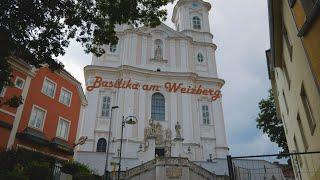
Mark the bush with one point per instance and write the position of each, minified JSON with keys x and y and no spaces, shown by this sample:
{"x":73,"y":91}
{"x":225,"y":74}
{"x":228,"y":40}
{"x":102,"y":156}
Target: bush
{"x":39,"y":170}
{"x":23,"y":165}
{"x":76,"y":169}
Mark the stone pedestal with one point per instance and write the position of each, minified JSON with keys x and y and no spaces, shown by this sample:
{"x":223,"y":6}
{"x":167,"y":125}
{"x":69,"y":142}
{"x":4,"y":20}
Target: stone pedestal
{"x":177,"y":148}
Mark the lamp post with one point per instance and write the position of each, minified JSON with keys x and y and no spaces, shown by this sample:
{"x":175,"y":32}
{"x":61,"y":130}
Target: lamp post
{"x":107,"y":156}
{"x":128,"y":120}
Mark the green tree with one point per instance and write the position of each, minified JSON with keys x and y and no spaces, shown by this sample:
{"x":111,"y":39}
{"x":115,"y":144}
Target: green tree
{"x":39,"y":31}
{"x":269,"y":123}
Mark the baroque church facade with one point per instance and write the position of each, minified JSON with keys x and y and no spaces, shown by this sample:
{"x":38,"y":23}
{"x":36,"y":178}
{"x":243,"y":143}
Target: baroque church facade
{"x":167,"y":79}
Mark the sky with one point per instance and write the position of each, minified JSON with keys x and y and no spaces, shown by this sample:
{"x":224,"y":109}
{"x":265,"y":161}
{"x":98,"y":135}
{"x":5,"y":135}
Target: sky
{"x":240,"y":30}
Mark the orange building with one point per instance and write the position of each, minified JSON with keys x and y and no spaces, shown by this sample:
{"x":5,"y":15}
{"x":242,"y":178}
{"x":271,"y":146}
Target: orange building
{"x":49,"y":117}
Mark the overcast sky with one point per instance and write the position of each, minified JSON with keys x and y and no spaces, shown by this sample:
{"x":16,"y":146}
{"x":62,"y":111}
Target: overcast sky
{"x":240,"y":30}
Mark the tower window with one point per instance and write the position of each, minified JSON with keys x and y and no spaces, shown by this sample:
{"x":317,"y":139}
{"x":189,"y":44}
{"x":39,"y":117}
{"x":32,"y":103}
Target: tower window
{"x":158,"y":107}
{"x":102,"y":145}
{"x":200,"y":57}
{"x":196,"y":22}
{"x":105,"y":106}
{"x":113,"y":48}
{"x":205,"y":115}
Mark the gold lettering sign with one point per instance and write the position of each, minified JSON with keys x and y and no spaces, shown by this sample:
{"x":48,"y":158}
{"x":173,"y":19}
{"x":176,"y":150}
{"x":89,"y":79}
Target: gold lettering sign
{"x":171,"y":87}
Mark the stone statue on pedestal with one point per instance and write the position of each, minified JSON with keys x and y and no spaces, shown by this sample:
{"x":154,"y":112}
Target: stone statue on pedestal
{"x":178,"y":130}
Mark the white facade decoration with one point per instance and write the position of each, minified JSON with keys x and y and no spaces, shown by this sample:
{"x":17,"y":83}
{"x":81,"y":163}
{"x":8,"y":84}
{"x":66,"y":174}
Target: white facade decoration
{"x":137,"y":58}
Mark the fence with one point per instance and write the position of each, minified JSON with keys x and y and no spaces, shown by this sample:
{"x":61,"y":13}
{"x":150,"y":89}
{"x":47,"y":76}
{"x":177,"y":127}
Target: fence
{"x":299,"y":166}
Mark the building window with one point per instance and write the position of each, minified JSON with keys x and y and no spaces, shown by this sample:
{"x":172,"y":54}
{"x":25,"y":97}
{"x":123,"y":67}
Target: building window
{"x":301,"y":129}
{"x":200,"y":57}
{"x":65,"y":97}
{"x":63,"y":129}
{"x":37,"y":118}
{"x":286,"y":74}
{"x":113,"y":48}
{"x":285,"y":102}
{"x":307,"y":6}
{"x":2,"y":91}
{"x":287,"y":41}
{"x":102,"y":145}
{"x":19,"y":83}
{"x":49,"y":87}
{"x":205,"y":115}
{"x":297,"y":158}
{"x":105,"y":106}
{"x":196,"y":22}
{"x":158,"y":49}
{"x":308,"y":110}
{"x":158,"y":107}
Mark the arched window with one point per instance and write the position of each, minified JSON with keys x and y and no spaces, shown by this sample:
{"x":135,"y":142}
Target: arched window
{"x":158,"y":107}
{"x":105,"y":106}
{"x":113,"y":48}
{"x":200,"y":57}
{"x":102,"y":145}
{"x":158,"y":49}
{"x":196,"y":22}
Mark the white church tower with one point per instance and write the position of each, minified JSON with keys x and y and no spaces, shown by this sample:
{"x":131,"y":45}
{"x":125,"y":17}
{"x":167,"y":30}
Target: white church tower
{"x":165,"y":78}
{"x":192,"y":19}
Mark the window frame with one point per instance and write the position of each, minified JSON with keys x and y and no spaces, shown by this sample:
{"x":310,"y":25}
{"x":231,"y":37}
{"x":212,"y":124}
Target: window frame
{"x":285,"y":101}
{"x":23,"y":82}
{"x":196,"y":23}
{"x":44,"y":117}
{"x":113,"y":48}
{"x":55,"y":87}
{"x":65,"y":89}
{"x":200,"y":53}
{"x":208,"y":120}
{"x":160,"y":108}
{"x":101,"y":106}
{"x":68,"y":131}
{"x":288,"y":41}
{"x":307,"y":109}
{"x":302,"y":132}
{"x":106,"y":144}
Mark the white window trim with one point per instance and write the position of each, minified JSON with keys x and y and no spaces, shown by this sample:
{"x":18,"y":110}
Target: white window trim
{"x":15,"y":82}
{"x":202,"y":103}
{"x":44,"y":117}
{"x":55,"y":87}
{"x":101,"y":103}
{"x":68,"y":132}
{"x":204,"y":62}
{"x":65,"y":89}
{"x":3,"y":92}
{"x":192,"y":22}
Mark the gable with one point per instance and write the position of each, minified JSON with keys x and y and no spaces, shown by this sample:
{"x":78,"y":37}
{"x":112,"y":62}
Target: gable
{"x":162,"y":29}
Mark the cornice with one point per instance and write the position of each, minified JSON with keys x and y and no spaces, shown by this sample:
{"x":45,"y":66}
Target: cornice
{"x":127,"y":68}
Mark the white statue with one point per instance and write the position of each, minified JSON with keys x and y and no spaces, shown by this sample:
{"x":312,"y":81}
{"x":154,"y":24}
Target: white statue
{"x":178,"y":130}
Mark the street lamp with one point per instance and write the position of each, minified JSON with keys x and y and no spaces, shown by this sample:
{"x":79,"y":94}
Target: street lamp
{"x":107,"y":156}
{"x":128,"y":120}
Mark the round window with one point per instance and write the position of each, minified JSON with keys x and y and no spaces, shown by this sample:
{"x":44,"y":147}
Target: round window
{"x":113,"y":48}
{"x":200,"y":58}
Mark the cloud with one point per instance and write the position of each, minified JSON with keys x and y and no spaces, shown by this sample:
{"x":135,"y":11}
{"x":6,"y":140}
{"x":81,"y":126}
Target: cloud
{"x":240,"y":30}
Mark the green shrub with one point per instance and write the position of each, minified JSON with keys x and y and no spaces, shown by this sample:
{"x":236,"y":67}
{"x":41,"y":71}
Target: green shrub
{"x":23,"y":165}
{"x":76,"y":169}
